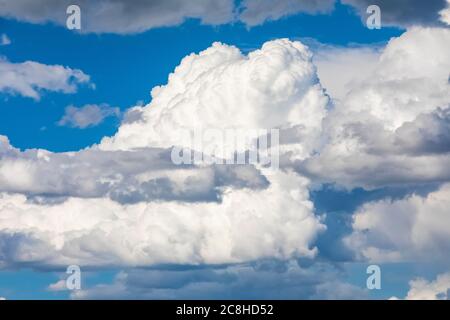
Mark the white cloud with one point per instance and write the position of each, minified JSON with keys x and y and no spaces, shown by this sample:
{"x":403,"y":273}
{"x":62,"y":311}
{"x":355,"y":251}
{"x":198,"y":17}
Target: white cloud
{"x":416,"y":228}
{"x":124,"y":176}
{"x":30,"y":78}
{"x":4,"y":40}
{"x":124,"y":203}
{"x":273,"y":87}
{"x":88,"y":115}
{"x":445,"y":14}
{"x":379,"y":134}
{"x":120,"y":16}
{"x":277,"y":222}
{"x":421,"y":289}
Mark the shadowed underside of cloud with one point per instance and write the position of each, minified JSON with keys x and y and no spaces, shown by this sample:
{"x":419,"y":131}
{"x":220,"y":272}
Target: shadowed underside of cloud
{"x":259,"y":280}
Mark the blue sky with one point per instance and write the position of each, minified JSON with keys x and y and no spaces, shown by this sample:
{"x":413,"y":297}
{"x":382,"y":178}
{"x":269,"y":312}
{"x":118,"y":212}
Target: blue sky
{"x":123,"y":68}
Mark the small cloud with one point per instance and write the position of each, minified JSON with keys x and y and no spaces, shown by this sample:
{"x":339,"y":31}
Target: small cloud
{"x":30,"y":78}
{"x":58,"y":286}
{"x":4,"y":40}
{"x":89,"y":115}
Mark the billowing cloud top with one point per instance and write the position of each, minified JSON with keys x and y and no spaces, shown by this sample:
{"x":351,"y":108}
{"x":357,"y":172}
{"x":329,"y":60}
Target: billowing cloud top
{"x":125,"y":203}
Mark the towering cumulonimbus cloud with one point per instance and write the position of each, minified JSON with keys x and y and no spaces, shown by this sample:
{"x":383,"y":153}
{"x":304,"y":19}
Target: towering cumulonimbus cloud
{"x":123,"y":202}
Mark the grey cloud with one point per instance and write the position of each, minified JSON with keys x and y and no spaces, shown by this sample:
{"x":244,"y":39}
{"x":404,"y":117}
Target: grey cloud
{"x":255,"y":12}
{"x":402,"y":13}
{"x":89,"y":115}
{"x":120,"y":16}
{"x":125,"y":176}
{"x":258,"y":280}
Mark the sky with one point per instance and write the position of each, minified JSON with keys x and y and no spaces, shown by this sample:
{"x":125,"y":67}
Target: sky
{"x":89,"y":119}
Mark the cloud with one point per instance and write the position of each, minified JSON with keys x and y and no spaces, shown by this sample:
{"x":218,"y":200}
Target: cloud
{"x":392,"y":127}
{"x":403,"y":13}
{"x":125,"y":17}
{"x":30,"y":78}
{"x":445,"y":14}
{"x":416,"y":228}
{"x":277,"y":222}
{"x":4,"y":40}
{"x":256,"y":12}
{"x":120,"y":16}
{"x":352,"y":64}
{"x":60,"y":285}
{"x":273,"y":87}
{"x":421,"y":289}
{"x":89,"y":115}
{"x":124,"y":176}
{"x":124,"y":202}
{"x":258,"y":280}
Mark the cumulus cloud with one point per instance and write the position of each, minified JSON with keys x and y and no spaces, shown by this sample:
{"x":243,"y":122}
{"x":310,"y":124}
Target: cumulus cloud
{"x":120,"y":16}
{"x":277,"y":222}
{"x":421,"y":289}
{"x":392,"y":127}
{"x":89,"y":115}
{"x":416,"y":228}
{"x":4,"y":40}
{"x":123,"y":202}
{"x":273,"y":87}
{"x":126,"y":177}
{"x":255,"y":12}
{"x":258,"y":280}
{"x":30,"y":78}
